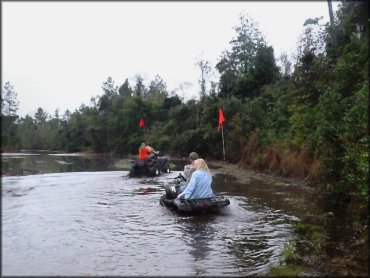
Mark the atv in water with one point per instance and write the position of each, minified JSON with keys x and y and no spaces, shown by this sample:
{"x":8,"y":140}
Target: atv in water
{"x":206,"y":205}
{"x":151,"y":167}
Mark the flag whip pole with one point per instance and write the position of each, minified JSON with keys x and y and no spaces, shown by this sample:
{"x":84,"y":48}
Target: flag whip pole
{"x":223,"y":141}
{"x":221,"y":120}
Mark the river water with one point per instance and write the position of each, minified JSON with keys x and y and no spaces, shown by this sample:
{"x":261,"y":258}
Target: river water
{"x":76,"y":215}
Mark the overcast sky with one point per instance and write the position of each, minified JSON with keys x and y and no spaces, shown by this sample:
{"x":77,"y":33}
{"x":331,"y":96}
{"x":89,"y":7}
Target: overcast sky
{"x":58,"y":54}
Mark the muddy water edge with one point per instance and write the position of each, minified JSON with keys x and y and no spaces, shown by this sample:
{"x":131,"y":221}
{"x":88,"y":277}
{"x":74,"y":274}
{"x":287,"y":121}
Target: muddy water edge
{"x":329,"y":244}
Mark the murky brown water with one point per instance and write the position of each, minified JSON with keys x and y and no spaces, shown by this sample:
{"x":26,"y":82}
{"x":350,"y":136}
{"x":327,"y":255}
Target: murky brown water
{"x":102,"y":223}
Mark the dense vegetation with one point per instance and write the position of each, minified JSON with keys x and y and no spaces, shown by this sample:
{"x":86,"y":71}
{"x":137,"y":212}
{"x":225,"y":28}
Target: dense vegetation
{"x":307,"y":119}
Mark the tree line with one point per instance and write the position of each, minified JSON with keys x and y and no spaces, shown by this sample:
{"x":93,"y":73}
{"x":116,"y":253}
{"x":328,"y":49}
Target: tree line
{"x":306,"y":118}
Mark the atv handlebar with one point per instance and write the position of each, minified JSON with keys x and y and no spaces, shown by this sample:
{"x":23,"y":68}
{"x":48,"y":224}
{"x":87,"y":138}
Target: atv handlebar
{"x":182,"y":177}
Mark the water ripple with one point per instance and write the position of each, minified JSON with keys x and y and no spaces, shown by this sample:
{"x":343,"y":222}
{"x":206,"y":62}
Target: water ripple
{"x":102,"y":223}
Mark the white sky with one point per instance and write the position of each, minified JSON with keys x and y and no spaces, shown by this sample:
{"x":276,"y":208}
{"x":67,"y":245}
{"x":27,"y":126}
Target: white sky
{"x":58,"y":54}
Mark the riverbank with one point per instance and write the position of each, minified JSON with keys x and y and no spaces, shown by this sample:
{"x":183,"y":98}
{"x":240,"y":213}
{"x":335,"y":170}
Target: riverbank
{"x":331,"y":245}
{"x":244,"y":174}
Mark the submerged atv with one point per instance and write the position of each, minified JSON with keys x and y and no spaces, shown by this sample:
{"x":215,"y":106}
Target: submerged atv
{"x":150,"y":167}
{"x":206,"y":205}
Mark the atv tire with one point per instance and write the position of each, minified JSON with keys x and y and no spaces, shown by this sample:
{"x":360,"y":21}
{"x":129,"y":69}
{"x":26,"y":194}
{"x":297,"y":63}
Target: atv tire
{"x":154,"y":171}
{"x":166,"y":168}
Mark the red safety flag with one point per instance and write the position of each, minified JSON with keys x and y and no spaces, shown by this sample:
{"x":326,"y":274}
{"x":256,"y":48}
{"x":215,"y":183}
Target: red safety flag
{"x":141,"y":124}
{"x":221,"y":119}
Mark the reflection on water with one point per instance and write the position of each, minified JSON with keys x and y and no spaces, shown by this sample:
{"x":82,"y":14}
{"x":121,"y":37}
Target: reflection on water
{"x":261,"y":194}
{"x":18,"y":164}
{"x":40,"y":163}
{"x":103,"y":223}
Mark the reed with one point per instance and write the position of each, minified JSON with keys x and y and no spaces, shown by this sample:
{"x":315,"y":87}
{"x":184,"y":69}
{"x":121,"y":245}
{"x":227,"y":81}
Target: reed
{"x":277,"y":158}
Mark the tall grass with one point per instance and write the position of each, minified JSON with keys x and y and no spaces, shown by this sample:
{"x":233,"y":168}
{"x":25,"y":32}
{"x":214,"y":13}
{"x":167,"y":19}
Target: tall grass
{"x":277,"y":158}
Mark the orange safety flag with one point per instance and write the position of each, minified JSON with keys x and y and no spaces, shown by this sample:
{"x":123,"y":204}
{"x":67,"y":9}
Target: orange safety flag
{"x":141,"y":124}
{"x":221,"y":119}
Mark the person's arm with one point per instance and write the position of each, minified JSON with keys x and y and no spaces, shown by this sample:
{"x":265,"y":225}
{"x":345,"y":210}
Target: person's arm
{"x":148,"y":150}
{"x":189,"y":188}
{"x":151,"y":150}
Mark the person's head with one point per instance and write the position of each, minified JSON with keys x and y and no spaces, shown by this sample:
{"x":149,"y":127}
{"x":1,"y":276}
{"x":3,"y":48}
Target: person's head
{"x":142,"y":145}
{"x":200,"y":164}
{"x":193,"y":156}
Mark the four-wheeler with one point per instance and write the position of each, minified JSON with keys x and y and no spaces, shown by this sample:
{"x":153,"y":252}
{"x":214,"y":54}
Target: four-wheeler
{"x":206,"y":205}
{"x":151,"y":167}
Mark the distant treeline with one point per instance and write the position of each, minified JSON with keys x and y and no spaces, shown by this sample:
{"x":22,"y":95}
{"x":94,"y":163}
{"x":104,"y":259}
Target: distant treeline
{"x":306,"y":118}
